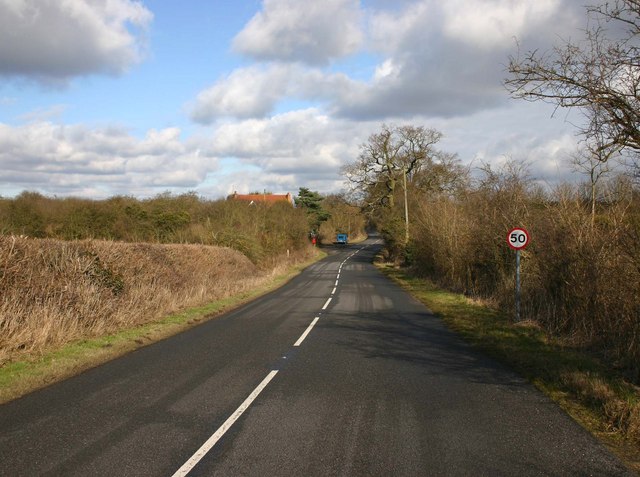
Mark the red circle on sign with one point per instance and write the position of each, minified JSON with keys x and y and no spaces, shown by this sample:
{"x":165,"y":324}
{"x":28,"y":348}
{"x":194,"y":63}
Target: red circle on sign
{"x":518,"y":238}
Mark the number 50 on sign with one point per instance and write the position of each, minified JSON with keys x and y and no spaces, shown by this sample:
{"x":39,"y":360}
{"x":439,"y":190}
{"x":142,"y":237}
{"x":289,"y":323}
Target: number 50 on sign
{"x":518,"y":238}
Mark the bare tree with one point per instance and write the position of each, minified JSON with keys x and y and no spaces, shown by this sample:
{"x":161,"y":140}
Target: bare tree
{"x":596,"y":167}
{"x":595,"y":153}
{"x":601,"y":73}
{"x":387,"y":156}
{"x":394,"y":154}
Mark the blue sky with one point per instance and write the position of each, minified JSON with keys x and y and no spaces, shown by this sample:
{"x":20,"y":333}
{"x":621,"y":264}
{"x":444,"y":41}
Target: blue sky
{"x":186,"y":47}
{"x":137,"y":98}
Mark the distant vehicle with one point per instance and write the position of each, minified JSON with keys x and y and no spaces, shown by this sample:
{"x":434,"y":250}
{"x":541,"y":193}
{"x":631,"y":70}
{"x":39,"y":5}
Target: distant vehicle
{"x":341,"y":239}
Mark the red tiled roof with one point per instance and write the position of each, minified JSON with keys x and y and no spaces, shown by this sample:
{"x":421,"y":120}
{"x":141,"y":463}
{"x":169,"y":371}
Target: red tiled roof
{"x":268,"y":198}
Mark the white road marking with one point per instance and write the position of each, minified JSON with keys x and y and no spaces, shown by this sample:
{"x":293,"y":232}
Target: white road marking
{"x":333,"y":292}
{"x":212,"y":441}
{"x":208,"y":445}
{"x":308,"y":330}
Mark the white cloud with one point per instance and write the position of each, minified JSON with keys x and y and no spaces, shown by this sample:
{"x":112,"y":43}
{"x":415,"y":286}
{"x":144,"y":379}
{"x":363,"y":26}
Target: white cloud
{"x":303,"y":31}
{"x":389,"y":29}
{"x":489,"y":24}
{"x":255,"y":91}
{"x":447,"y":59}
{"x":245,"y":181}
{"x":436,"y":59}
{"x":63,"y":159}
{"x":245,"y":93}
{"x":439,"y":64}
{"x":295,"y":141}
{"x":305,"y":147}
{"x":524,"y":132}
{"x":55,"y":40}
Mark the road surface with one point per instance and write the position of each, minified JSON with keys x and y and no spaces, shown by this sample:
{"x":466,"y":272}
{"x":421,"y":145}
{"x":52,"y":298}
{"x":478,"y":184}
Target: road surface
{"x":339,"y":372}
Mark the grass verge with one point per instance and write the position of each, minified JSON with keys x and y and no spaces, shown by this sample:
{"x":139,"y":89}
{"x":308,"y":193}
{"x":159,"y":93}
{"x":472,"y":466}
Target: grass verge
{"x":21,"y":377}
{"x":596,"y":397}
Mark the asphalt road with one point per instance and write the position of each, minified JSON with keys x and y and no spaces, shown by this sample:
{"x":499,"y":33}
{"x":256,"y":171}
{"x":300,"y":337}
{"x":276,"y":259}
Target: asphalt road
{"x":377,"y":387}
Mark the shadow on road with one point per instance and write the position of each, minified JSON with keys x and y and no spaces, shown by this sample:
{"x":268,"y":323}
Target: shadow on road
{"x":418,"y":338}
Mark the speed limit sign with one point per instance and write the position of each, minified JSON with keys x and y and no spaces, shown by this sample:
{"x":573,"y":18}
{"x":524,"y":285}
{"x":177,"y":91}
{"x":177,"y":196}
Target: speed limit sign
{"x":518,"y":238}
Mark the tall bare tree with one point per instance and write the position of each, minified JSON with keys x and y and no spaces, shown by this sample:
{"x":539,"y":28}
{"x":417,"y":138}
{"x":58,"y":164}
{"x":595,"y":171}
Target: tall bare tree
{"x":393,"y":155}
{"x":601,"y":74}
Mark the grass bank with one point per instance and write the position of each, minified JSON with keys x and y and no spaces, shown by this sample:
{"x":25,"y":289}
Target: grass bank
{"x":69,"y":306}
{"x":600,"y":399}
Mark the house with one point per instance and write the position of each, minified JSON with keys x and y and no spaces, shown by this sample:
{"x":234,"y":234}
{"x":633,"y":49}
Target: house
{"x":263,"y":198}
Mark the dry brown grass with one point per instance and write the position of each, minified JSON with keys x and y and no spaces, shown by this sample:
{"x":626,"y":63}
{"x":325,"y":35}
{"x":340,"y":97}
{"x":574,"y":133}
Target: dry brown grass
{"x":619,"y":406}
{"x":580,"y":278}
{"x":53,"y":292}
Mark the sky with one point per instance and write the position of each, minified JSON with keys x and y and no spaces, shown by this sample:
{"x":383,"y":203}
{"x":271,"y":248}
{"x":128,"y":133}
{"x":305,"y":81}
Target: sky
{"x":120,"y":97}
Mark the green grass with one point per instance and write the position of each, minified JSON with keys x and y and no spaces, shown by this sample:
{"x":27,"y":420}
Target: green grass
{"x":594,"y":395}
{"x":21,"y":377}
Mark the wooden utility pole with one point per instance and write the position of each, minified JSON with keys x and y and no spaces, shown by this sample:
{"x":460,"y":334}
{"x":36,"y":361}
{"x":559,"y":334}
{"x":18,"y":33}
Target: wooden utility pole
{"x":406,"y":206}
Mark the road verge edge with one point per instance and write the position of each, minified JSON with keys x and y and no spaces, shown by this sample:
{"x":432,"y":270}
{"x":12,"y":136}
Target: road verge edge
{"x":602,"y":402}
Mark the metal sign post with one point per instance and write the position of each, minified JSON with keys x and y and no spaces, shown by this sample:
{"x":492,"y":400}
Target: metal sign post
{"x":518,"y":239}
{"x":518,"y":285}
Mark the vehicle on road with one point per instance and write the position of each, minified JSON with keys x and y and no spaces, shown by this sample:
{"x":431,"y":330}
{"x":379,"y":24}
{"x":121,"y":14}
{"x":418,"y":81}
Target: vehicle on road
{"x":341,"y":239}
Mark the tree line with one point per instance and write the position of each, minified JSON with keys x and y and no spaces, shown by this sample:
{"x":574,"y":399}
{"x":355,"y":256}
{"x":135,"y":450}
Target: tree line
{"x":261,"y":232}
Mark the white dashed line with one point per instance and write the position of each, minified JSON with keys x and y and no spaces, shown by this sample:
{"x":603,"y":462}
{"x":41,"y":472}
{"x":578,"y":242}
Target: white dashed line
{"x":308,"y":330}
{"x":208,"y":445}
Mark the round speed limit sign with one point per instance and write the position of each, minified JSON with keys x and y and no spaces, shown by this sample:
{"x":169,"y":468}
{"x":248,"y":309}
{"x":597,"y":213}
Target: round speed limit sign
{"x":518,"y":238}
